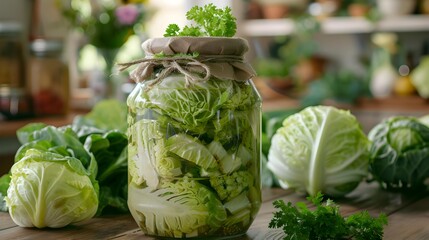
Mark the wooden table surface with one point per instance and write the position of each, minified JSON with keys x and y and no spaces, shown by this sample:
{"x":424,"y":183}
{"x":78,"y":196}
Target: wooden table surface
{"x":408,"y":217}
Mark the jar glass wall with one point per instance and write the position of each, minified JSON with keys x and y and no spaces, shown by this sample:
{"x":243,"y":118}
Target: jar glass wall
{"x":194,"y":155}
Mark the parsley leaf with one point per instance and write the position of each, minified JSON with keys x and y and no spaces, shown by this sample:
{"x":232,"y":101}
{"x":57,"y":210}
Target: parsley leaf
{"x":209,"y":21}
{"x":172,"y":30}
{"x":325,"y":222}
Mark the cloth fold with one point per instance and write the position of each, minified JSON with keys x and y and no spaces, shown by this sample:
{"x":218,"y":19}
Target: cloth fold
{"x":217,"y":57}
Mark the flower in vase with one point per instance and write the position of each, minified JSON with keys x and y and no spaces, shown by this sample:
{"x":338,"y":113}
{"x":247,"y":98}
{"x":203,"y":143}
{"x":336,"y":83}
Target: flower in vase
{"x":127,"y":14}
{"x":106,"y":24}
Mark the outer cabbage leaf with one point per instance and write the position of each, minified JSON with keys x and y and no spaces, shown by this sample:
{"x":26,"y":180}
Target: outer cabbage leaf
{"x":42,"y":145}
{"x":113,"y":196}
{"x":102,"y":132}
{"x":106,"y":115}
{"x":60,"y":140}
{"x":320,"y":149}
{"x":110,"y":152}
{"x":25,"y":133}
{"x":50,"y":190}
{"x":182,"y":209}
{"x":399,"y":153}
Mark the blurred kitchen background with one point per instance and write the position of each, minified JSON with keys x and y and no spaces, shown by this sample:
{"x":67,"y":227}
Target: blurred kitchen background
{"x":57,"y":57}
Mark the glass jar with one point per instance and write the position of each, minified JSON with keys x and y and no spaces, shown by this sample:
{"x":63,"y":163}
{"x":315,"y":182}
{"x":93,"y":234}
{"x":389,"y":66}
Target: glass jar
{"x":14,"y":103}
{"x":194,"y":139}
{"x":48,"y":78}
{"x":11,"y":55}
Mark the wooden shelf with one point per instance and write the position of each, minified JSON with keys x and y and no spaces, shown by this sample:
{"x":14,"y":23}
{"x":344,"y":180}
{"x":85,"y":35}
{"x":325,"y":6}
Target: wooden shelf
{"x":9,"y":128}
{"x":409,"y":104}
{"x":412,"y":104}
{"x":369,"y":112}
{"x":337,"y":25}
{"x":395,"y":103}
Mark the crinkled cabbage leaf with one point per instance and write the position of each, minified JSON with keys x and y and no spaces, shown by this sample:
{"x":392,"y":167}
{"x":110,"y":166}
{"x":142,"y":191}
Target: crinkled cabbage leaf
{"x":106,"y":115}
{"x":173,"y":102}
{"x":399,"y":153}
{"x":191,"y":108}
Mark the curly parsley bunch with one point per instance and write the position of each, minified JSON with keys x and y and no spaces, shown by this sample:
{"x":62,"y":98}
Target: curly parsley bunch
{"x":325,"y":222}
{"x":209,"y":21}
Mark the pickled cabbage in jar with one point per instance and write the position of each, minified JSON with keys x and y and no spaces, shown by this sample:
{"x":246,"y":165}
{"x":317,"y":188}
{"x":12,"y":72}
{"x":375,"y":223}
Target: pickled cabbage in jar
{"x":194,"y":154}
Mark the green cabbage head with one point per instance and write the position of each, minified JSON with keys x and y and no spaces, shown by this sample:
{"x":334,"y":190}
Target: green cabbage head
{"x":321,"y":149}
{"x":399,"y":153}
{"x":50,"y":190}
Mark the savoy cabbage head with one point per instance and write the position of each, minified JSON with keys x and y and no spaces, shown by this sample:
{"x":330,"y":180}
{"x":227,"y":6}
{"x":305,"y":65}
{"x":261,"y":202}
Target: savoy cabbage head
{"x":399,"y":153}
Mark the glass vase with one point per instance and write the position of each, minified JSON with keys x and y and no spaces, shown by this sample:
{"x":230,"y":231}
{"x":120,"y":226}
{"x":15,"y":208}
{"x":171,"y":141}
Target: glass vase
{"x":107,"y":82}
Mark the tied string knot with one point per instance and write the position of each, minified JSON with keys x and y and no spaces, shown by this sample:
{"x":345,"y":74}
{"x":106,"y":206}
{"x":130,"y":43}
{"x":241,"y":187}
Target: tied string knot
{"x":195,"y":69}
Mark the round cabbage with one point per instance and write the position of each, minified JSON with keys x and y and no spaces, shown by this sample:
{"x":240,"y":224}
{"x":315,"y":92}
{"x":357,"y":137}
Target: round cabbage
{"x":320,"y":149}
{"x":399,"y":153}
{"x":50,"y":190}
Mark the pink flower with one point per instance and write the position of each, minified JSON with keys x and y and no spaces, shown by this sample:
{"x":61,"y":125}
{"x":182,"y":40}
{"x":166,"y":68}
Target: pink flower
{"x":127,"y":14}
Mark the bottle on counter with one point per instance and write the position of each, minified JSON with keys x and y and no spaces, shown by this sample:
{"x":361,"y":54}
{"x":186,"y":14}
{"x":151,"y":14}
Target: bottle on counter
{"x":48,"y":78}
{"x":14,"y":100}
{"x":384,"y":74}
{"x":11,"y":55}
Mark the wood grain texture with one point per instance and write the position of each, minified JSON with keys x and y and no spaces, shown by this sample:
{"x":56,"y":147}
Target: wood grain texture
{"x":408,"y":218}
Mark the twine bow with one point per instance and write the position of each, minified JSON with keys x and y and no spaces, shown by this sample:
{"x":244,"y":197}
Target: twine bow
{"x":194,"y":69}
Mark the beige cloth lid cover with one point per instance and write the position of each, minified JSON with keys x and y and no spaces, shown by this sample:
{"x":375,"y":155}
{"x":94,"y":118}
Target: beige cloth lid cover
{"x":223,"y":56}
